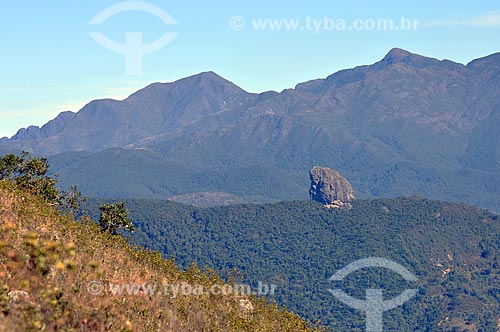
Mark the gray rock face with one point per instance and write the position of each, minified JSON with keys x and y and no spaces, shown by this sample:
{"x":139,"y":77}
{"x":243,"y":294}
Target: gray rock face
{"x":328,"y":187}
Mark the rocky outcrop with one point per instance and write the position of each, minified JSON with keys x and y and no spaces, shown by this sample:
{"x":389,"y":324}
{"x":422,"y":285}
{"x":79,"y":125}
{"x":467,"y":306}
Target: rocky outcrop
{"x":328,"y":187}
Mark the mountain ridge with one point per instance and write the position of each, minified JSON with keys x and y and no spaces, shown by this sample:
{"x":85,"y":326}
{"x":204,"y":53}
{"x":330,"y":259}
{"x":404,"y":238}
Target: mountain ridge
{"x":405,"y":125}
{"x":394,"y":56}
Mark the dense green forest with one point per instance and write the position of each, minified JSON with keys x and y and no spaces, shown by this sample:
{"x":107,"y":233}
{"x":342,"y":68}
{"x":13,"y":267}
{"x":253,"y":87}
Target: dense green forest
{"x":120,"y":173}
{"x":62,"y":274}
{"x":453,"y":249}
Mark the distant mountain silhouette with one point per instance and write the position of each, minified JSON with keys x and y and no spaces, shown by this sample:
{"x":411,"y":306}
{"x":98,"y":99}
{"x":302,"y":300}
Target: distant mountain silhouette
{"x":407,"y":124}
{"x":165,"y":109}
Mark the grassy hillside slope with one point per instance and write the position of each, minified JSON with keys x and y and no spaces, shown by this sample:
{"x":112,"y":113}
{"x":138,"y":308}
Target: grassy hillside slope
{"x":51,"y":268}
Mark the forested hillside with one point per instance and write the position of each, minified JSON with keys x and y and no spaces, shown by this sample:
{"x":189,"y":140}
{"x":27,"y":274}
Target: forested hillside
{"x":453,"y":249}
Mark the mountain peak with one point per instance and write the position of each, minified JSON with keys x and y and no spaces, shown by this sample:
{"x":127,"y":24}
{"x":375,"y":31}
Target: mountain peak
{"x":208,"y":76}
{"x":208,"y":79}
{"x":398,"y":55}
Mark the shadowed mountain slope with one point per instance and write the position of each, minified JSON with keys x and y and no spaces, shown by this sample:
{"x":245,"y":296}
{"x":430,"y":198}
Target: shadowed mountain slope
{"x":407,"y":124}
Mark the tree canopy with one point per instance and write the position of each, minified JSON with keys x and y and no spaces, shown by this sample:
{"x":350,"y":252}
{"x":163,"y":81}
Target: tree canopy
{"x":113,"y":217}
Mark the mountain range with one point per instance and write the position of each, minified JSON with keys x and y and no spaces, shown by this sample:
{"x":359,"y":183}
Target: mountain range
{"x":405,"y":125}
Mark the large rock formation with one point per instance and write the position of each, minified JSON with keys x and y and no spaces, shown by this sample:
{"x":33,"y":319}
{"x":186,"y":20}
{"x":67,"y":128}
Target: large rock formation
{"x":330,"y":188}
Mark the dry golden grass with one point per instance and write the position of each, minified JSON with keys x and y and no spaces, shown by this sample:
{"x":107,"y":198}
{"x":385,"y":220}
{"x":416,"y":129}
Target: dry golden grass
{"x":47,"y":262}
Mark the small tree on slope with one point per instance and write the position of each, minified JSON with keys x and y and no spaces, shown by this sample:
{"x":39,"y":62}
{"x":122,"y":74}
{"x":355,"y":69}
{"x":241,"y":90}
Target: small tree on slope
{"x":113,"y":217}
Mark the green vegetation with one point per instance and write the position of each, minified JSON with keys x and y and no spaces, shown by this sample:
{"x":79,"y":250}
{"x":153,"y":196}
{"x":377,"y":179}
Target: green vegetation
{"x":275,"y":175}
{"x":113,"y":217}
{"x":48,"y":262}
{"x":124,"y":176}
{"x":453,"y":249}
{"x":30,"y":174}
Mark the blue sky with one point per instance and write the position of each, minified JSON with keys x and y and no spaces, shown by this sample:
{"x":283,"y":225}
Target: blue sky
{"x":49,"y":63}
